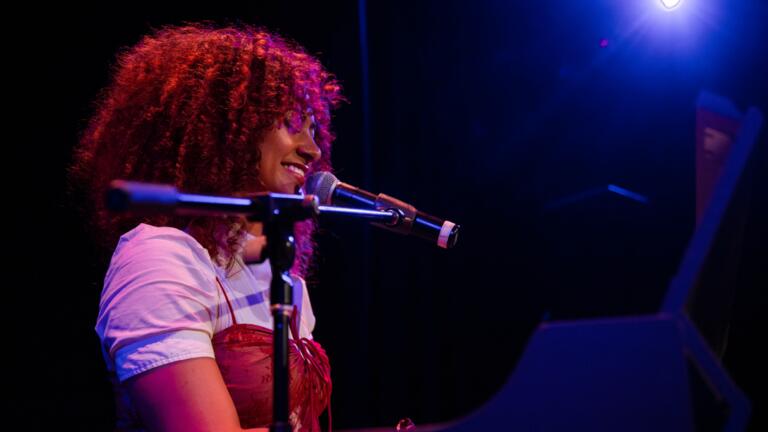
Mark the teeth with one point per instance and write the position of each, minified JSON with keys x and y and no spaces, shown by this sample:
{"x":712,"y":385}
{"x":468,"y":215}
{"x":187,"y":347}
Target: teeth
{"x":295,"y":169}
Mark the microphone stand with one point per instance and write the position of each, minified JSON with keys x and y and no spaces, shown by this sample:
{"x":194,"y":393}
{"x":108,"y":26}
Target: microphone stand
{"x":281,"y":251}
{"x":278,"y":213}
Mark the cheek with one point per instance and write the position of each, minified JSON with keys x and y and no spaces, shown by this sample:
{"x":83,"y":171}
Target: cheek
{"x":266,"y":156}
{"x":275,"y":146}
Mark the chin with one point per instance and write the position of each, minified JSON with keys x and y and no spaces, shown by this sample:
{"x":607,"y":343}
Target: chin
{"x":287,"y":190}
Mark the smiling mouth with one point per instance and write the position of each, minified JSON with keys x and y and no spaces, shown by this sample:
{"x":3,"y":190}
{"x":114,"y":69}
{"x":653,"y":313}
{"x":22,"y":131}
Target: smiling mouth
{"x":300,"y":171}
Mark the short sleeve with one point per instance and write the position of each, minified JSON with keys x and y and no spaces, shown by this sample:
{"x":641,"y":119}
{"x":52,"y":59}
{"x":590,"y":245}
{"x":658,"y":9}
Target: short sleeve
{"x":159,"y":301}
{"x":301,"y":298}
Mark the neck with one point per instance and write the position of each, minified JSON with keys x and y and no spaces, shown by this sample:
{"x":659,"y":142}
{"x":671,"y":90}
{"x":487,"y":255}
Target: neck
{"x":255,"y":228}
{"x":255,"y":246}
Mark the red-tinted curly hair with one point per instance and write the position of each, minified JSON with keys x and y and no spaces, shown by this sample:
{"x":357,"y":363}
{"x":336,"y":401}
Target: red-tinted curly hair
{"x":187,"y":106}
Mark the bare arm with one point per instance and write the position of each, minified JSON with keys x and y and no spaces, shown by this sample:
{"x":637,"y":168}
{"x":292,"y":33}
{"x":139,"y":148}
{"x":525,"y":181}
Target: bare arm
{"x":188,"y":395}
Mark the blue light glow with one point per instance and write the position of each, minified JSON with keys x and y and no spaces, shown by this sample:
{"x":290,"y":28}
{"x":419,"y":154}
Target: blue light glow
{"x":627,"y":193}
{"x":671,"y":4}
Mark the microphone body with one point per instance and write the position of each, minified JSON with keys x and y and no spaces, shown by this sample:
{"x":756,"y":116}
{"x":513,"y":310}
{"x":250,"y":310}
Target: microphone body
{"x":408,"y":220}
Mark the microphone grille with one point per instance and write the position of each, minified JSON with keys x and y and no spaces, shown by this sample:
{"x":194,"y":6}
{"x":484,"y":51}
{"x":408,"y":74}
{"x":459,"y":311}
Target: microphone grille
{"x":321,"y":184}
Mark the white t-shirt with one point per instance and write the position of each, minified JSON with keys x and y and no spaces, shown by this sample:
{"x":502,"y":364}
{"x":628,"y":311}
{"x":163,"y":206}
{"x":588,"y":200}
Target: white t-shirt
{"x":161,"y":302}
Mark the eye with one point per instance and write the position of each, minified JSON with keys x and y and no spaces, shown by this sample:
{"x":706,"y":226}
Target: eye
{"x":291,"y":121}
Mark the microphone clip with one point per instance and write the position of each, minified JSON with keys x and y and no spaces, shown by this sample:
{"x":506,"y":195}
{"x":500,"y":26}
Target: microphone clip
{"x":405,"y":213}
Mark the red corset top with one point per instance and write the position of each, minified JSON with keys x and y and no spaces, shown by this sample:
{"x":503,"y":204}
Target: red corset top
{"x":244,"y":355}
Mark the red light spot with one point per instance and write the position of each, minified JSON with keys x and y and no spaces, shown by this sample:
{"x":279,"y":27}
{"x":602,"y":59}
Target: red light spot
{"x":603,"y":43}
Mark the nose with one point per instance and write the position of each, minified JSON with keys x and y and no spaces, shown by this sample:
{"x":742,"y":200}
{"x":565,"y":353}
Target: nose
{"x":308,"y":149}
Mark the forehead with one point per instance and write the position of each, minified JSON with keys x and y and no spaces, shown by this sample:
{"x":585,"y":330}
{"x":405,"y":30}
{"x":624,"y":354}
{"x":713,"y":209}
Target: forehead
{"x":313,"y":102}
{"x":303,"y":113}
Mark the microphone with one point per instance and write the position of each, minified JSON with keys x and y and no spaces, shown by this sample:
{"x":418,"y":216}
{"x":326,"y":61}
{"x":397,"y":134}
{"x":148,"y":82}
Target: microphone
{"x":407,"y":220}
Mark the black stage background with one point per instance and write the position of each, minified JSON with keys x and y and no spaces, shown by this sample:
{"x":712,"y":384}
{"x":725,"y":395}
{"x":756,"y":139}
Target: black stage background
{"x":481,"y":112}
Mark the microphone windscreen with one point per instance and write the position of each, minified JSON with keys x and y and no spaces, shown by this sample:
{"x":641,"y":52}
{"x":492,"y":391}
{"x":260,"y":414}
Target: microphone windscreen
{"x":321,"y":184}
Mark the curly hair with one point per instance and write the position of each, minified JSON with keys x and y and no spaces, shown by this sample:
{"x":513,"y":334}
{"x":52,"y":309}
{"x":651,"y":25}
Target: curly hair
{"x":186,"y":106}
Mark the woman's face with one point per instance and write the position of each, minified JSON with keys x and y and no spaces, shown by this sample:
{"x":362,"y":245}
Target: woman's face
{"x":286,"y":155}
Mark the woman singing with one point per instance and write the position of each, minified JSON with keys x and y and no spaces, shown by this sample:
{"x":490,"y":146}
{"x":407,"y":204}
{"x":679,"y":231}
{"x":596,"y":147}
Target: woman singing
{"x":184,"y":316}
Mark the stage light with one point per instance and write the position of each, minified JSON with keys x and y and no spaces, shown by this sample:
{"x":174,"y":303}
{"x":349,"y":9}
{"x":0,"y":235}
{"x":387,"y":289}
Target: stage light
{"x":671,"y":4}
